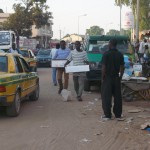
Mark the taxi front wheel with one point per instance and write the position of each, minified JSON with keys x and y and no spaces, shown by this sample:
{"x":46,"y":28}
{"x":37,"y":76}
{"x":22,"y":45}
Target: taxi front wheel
{"x":14,"y":109}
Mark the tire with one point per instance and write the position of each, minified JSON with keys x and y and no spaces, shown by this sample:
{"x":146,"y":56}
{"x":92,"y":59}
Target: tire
{"x":14,"y":109}
{"x":86,"y":85}
{"x":35,"y":94}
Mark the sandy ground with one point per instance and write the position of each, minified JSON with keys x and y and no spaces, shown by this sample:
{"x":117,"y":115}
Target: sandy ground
{"x":51,"y":124}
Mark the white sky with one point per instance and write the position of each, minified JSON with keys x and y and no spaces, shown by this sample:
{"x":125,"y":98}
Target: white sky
{"x":103,"y":13}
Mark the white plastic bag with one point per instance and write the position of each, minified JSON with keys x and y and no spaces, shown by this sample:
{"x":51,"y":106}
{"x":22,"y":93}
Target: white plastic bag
{"x":66,"y":95}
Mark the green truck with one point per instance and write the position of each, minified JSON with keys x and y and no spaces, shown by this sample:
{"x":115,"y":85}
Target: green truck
{"x":96,"y":46}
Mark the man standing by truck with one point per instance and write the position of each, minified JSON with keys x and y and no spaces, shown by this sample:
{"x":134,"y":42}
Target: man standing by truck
{"x":112,"y":72}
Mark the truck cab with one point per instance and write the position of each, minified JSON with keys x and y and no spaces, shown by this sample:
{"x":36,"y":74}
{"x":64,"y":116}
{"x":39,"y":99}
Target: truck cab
{"x":7,"y":39}
{"x":95,"y":47}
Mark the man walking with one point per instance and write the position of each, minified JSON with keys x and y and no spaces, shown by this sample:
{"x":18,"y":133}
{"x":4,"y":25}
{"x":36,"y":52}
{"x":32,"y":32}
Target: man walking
{"x":112,"y":72}
{"x":62,"y":53}
{"x":79,"y":57}
{"x":53,"y":52}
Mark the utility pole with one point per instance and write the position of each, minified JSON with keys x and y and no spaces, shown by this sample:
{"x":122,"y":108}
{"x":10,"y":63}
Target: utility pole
{"x":60,"y":34}
{"x":137,"y":19}
{"x":120,"y":18}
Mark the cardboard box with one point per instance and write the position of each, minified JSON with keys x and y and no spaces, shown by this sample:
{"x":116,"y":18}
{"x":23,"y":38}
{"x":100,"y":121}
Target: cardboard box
{"x":137,"y":67}
{"x":82,"y":68}
{"x":59,"y":63}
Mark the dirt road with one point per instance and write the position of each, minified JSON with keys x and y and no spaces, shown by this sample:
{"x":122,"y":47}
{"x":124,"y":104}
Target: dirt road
{"x":51,"y":124}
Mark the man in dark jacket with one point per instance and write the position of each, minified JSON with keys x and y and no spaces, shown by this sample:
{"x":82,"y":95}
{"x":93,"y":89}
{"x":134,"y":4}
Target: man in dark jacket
{"x":112,"y":72}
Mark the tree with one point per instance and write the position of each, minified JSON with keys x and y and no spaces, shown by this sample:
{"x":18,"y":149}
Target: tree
{"x":28,"y":13}
{"x":1,"y":10}
{"x":144,"y":10}
{"x":95,"y":30}
{"x":113,"y":32}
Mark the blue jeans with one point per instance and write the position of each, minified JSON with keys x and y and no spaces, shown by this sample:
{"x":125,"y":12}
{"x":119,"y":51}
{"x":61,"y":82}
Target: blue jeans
{"x":54,"y":70}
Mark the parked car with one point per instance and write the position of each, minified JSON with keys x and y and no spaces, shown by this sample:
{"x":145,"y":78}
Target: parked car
{"x":30,"y":58}
{"x":16,"y":82}
{"x":44,"y":58}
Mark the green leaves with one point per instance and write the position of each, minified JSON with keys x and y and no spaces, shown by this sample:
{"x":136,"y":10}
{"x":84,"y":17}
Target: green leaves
{"x":31,"y":12}
{"x":144,"y":10}
{"x":95,"y":30}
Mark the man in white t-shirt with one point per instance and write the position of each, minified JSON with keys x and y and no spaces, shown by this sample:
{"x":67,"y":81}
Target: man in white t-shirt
{"x":79,"y":57}
{"x":54,"y":71}
{"x":142,"y":50}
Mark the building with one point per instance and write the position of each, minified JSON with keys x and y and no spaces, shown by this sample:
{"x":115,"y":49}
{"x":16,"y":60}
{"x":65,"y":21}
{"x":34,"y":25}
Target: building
{"x":4,"y":16}
{"x":43,"y":34}
{"x":72,"y":38}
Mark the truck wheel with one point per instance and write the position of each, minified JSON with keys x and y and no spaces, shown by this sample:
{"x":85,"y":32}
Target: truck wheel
{"x":14,"y":109}
{"x":86,"y":85}
{"x":35,"y":94}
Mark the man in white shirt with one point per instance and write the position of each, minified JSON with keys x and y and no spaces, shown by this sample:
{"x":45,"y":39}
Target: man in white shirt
{"x":142,"y":50}
{"x":79,"y":57}
{"x":54,"y":71}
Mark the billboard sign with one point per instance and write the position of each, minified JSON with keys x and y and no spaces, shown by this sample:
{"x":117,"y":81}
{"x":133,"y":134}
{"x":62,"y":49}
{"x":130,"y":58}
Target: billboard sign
{"x":128,"y":20}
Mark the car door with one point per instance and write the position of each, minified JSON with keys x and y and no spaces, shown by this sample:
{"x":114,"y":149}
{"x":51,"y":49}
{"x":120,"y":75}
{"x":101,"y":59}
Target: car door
{"x":31,"y":78}
{"x":22,"y":76}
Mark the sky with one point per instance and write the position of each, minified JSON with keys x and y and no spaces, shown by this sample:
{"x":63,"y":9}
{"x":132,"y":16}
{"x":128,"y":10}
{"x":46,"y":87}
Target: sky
{"x":68,"y":13}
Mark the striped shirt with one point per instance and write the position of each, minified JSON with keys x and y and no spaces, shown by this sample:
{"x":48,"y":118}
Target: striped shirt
{"x":78,"y":58}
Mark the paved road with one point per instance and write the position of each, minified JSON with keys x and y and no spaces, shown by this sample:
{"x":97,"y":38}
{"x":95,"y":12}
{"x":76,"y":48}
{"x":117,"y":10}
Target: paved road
{"x":51,"y":124}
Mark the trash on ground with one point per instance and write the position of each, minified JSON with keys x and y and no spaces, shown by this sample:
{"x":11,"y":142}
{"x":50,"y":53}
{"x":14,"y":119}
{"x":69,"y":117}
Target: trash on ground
{"x":97,"y":134}
{"x":96,"y":99}
{"x":144,"y":116}
{"x":66,"y":94}
{"x":145,"y":125}
{"x":84,"y":114}
{"x":134,"y":111}
{"x":91,"y":103}
{"x":44,"y":126}
{"x":85,"y":140}
{"x":148,"y":129}
{"x":126,"y":128}
{"x":129,"y":120}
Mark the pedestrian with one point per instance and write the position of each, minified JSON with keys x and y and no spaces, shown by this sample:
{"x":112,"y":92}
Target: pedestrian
{"x":136,"y":47}
{"x":62,"y":53}
{"x":54,"y":70}
{"x":112,"y":72}
{"x":79,"y":57}
{"x":142,"y":50}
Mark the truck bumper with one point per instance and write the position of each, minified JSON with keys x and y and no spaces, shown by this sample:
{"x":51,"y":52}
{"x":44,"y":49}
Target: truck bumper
{"x":94,"y":75}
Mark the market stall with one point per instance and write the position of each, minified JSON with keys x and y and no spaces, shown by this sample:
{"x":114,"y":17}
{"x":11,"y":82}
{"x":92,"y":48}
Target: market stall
{"x":136,"y":87}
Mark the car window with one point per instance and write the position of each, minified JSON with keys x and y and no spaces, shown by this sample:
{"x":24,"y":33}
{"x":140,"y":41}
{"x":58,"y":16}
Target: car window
{"x":18,"y":64}
{"x":102,"y":47}
{"x":3,"y":64}
{"x":25,"y":65}
{"x":44,"y":52}
{"x":25,"y":53}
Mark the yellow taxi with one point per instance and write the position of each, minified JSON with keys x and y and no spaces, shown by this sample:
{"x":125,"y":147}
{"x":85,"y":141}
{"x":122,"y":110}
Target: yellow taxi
{"x":17,"y":82}
{"x":30,"y":58}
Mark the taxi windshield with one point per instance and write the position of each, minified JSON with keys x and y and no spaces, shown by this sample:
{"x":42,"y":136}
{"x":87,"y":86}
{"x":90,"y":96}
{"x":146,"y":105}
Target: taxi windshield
{"x":25,"y":53}
{"x":3,"y":64}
